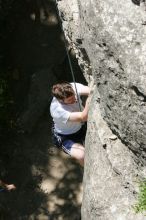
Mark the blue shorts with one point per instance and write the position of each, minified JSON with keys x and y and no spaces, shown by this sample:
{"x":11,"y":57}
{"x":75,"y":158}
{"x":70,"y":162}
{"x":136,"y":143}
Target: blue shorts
{"x":66,"y":141}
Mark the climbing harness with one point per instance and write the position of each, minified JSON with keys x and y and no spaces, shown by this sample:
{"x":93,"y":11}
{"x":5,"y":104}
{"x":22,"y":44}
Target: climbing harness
{"x":69,"y":60}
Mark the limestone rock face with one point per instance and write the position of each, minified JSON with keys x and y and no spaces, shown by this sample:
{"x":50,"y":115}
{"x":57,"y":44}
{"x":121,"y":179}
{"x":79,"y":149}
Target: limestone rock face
{"x":109,"y":38}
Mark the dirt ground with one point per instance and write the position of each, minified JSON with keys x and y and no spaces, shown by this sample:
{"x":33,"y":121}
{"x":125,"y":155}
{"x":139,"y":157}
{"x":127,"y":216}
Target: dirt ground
{"x":49,"y":182}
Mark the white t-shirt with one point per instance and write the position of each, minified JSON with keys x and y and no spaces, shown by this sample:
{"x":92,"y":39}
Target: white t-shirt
{"x":61,"y":112}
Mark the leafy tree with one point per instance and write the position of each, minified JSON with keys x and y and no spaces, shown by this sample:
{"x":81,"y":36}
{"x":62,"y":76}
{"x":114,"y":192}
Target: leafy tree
{"x":141,"y":204}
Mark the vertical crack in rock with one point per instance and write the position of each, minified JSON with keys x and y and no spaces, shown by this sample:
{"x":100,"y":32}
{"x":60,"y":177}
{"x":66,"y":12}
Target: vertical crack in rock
{"x":138,"y":93}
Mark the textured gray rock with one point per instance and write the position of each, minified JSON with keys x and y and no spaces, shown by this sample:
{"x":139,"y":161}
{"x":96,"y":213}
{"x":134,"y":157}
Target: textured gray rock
{"x":111,"y":173}
{"x":109,"y":37}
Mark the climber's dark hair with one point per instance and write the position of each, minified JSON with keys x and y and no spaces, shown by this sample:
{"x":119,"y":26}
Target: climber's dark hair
{"x":62,"y":90}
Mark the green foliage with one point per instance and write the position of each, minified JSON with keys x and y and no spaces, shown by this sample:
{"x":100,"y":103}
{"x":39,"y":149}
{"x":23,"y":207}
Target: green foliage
{"x":141,"y":204}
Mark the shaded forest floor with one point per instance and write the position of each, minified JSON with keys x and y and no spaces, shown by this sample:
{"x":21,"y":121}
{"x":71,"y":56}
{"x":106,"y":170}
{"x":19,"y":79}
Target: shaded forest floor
{"x":49,"y":182}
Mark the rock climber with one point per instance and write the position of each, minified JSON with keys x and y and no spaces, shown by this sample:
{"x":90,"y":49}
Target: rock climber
{"x":69,"y":128}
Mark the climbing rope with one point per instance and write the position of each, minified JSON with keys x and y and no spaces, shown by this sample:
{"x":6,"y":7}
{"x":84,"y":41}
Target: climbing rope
{"x":69,"y":60}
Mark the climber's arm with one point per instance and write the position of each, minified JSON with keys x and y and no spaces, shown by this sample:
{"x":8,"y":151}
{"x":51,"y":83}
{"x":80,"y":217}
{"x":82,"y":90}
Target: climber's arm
{"x":80,"y":116}
{"x":85,"y":90}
